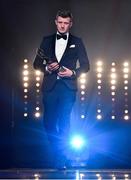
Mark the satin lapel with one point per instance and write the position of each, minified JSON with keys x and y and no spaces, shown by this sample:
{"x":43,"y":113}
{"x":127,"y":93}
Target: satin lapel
{"x":53,"y":46}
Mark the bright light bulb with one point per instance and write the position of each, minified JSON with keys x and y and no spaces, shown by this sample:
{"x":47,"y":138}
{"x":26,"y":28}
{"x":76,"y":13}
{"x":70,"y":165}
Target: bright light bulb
{"x":37,"y":114}
{"x":99,"y":63}
{"x":25,"y":60}
{"x":25,"y":72}
{"x":38,"y":73}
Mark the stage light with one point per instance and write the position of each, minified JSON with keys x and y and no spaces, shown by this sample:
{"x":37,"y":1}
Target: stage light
{"x":126,"y":82}
{"x":25,"y":96}
{"x":81,"y":176}
{"x":99,"y":116}
{"x":113,"y":93}
{"x":126,"y":87}
{"x":25,"y":78}
{"x":37,"y":78}
{"x":113,"y":117}
{"x":125,"y":76}
{"x":99,"y":75}
{"x":37,"y":72}
{"x":126,"y":70}
{"x":77,"y":175}
{"x":37,"y":114}
{"x":25,"y":90}
{"x":99,"y":81}
{"x":125,"y":64}
{"x":83,"y":86}
{"x":114,"y":178}
{"x":113,"y":69}
{"x":25,"y":114}
{"x":126,"y":93}
{"x":113,"y":63}
{"x":37,"y":176}
{"x":99,"y":87}
{"x":126,"y":175}
{"x":126,"y":111}
{"x":83,"y":75}
{"x":98,"y":175}
{"x":113,"y":87}
{"x":126,"y":117}
{"x":113,"y":81}
{"x":99,"y":63}
{"x":82,"y":116}
{"x":25,"y":66}
{"x":25,"y":60}
{"x":82,"y":92}
{"x":77,"y":142}
{"x":37,"y":84}
{"x":25,"y":72}
{"x":37,"y":108}
{"x":113,"y":99}
{"x":99,"y":69}
{"x":25,"y":84}
{"x":113,"y":75}
{"x":99,"y":110}
{"x":82,"y":81}
{"x":99,"y":178}
{"x":82,"y":98}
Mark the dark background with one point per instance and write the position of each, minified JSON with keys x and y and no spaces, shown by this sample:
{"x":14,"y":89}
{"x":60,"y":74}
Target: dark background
{"x":105,"y":27}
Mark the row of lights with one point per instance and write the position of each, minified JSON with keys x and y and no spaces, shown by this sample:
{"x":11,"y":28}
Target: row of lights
{"x":82,"y":82}
{"x":125,"y":176}
{"x":26,"y":85}
{"x":37,"y":85}
{"x":126,"y":76}
{"x":26,"y":89}
{"x":99,"y":75}
{"x":81,"y":176}
{"x":113,"y":87}
{"x":113,"y":81}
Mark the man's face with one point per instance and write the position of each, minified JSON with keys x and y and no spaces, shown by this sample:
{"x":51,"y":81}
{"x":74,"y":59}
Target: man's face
{"x":63,"y":24}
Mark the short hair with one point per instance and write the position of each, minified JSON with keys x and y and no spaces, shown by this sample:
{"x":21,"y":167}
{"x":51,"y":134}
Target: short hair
{"x":64,"y":14}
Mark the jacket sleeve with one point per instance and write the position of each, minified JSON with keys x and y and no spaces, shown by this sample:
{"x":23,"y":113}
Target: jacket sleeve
{"x":84,"y":65}
{"x":40,"y":60}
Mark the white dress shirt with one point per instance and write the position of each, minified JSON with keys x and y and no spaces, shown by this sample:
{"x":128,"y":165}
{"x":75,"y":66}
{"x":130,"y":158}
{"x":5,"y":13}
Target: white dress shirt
{"x":60,"y":46}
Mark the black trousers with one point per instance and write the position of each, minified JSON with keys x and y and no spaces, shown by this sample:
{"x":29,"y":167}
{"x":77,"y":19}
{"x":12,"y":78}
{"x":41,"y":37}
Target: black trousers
{"x":58,"y":105}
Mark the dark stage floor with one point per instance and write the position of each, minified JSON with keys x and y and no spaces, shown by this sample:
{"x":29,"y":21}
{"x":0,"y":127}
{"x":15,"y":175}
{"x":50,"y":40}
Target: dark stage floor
{"x":70,"y":174}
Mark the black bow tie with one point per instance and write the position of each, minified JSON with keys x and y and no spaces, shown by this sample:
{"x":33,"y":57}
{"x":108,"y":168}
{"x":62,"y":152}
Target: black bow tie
{"x":59,"y":36}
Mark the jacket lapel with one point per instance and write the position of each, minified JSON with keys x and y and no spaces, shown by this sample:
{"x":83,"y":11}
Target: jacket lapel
{"x":53,"y":46}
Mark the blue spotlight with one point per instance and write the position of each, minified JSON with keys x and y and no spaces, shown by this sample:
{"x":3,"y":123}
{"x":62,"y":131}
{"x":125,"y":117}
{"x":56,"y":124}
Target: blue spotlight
{"x":77,"y":142}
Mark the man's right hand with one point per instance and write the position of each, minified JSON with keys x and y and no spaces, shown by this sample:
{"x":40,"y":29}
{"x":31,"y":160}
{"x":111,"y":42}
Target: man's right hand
{"x":53,"y":66}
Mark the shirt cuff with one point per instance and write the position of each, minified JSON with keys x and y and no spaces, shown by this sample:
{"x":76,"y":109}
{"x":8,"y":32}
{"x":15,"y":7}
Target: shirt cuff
{"x":46,"y":68}
{"x":74,"y":73}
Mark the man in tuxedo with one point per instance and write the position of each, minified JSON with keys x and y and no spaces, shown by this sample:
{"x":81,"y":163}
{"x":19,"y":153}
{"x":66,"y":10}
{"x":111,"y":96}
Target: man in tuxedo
{"x":57,"y":58}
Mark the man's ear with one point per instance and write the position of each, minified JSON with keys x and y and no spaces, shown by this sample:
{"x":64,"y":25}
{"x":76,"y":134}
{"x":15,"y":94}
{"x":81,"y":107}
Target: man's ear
{"x":55,"y":22}
{"x":71,"y":24}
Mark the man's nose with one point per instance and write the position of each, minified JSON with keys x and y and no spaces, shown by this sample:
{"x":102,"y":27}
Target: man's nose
{"x":62,"y":25}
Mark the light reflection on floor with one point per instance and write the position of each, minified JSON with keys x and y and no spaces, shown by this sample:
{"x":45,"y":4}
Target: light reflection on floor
{"x":71,"y":174}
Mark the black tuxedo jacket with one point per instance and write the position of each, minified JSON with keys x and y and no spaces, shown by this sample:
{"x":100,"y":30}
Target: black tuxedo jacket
{"x":75,"y":51}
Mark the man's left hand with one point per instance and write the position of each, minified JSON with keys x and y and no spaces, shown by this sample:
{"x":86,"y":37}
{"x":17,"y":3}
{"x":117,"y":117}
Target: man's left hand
{"x":66,"y":73}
